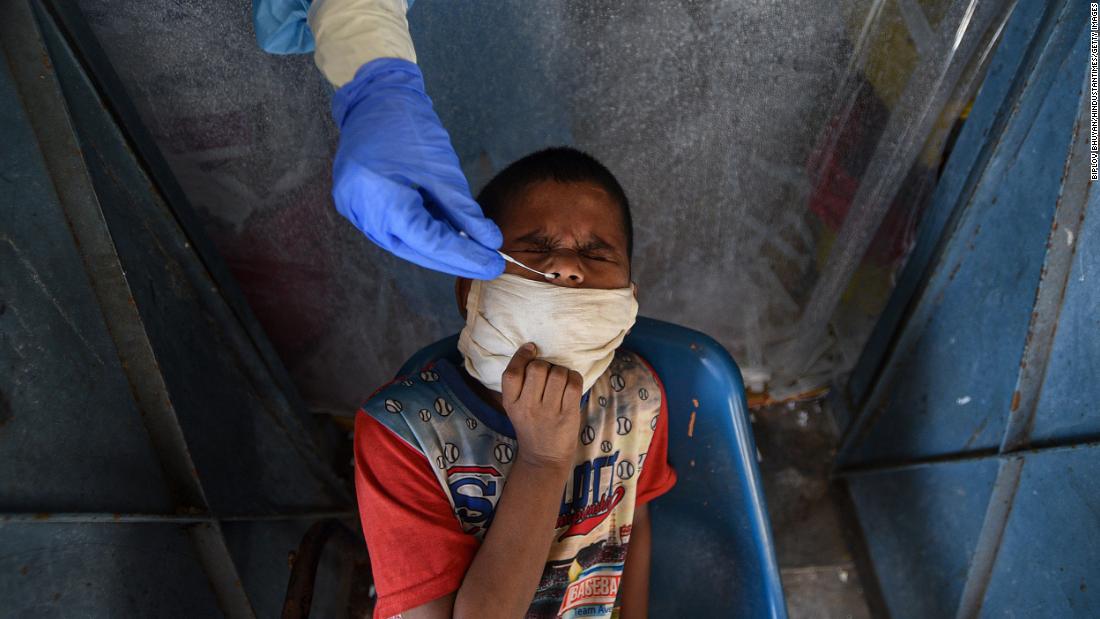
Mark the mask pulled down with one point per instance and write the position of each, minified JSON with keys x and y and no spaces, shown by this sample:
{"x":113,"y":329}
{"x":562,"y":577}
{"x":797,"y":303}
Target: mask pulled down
{"x":577,"y":328}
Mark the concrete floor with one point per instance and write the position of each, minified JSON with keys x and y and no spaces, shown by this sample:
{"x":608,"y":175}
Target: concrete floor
{"x":797,"y":443}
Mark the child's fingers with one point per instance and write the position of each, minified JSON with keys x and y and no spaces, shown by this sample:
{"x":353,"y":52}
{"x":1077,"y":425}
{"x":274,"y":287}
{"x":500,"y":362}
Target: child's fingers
{"x":511,"y":381}
{"x":572,"y":393}
{"x":534,"y":382}
{"x":555,"y":386}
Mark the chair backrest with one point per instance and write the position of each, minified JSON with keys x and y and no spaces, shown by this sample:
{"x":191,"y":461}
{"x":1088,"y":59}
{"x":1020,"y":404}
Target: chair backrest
{"x":713,"y":554}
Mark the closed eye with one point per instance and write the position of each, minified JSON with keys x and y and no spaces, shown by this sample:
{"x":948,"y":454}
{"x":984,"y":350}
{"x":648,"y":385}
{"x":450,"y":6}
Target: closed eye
{"x":597,"y":251}
{"x":537,"y":243}
{"x":593,"y":256}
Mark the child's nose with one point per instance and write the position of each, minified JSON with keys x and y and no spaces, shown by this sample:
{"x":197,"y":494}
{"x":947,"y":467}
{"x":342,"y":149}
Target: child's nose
{"x":567,"y":266}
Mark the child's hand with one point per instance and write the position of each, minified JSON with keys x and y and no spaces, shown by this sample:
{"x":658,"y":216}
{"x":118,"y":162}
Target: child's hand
{"x":543,"y":402}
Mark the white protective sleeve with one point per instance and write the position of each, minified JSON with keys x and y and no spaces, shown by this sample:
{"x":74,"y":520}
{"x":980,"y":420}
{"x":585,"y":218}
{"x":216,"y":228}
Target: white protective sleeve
{"x":351,"y":33}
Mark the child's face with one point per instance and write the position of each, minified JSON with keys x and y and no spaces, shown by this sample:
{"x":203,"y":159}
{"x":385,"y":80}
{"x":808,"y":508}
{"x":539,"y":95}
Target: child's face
{"x":573,"y":229}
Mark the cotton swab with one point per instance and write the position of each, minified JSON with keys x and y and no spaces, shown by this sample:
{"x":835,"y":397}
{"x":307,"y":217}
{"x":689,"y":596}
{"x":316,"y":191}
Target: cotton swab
{"x":516,"y":262}
{"x":524,"y":266}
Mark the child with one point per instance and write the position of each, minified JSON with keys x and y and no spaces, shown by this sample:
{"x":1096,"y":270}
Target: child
{"x":516,"y":484}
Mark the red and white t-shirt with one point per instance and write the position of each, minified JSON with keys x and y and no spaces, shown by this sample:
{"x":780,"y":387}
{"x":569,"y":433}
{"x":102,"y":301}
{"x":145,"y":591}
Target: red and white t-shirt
{"x":431,"y":461}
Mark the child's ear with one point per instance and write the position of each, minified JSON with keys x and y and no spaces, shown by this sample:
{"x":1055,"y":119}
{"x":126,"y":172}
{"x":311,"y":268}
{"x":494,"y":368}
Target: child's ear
{"x":462,"y":290}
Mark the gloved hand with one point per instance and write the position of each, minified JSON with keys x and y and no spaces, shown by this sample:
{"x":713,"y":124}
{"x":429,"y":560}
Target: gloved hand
{"x":396,"y":175}
{"x":281,"y":26}
{"x":398,"y":179}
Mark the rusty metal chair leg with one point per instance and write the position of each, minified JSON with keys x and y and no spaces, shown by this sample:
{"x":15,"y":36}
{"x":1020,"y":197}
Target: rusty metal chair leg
{"x":303,"y":571}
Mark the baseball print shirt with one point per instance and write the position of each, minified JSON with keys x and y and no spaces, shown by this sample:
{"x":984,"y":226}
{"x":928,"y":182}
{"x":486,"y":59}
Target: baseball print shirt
{"x":431,"y":462}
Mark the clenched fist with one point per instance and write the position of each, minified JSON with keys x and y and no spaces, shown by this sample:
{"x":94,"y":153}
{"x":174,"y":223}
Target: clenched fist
{"x":543,"y":402}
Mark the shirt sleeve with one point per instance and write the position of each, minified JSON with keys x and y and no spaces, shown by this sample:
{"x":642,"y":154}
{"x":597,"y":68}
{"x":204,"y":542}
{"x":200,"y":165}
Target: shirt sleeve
{"x":658,"y":476}
{"x":417,"y":549}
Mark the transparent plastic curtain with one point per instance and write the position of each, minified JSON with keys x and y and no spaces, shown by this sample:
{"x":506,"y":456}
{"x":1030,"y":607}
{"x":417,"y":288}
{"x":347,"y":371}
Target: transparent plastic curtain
{"x":777,"y":156}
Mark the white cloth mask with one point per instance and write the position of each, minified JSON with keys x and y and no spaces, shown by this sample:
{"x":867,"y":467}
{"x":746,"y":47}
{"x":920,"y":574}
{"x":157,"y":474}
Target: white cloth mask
{"x":578,"y":328}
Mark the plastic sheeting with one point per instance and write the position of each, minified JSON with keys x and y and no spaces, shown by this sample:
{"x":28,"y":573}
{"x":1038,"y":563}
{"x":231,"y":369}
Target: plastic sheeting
{"x":971,"y":451}
{"x":778,"y":158}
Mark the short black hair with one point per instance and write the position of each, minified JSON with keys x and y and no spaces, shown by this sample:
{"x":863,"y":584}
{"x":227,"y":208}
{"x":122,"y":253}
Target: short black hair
{"x":563,"y":164}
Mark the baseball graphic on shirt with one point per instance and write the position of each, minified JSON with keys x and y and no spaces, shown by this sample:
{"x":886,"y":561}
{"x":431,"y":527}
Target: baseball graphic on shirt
{"x":450,"y":451}
{"x":471,"y":423}
{"x":625,"y":470}
{"x":622,"y":426}
{"x":653,"y":422}
{"x":443,"y":407}
{"x":602,"y":400}
{"x":605,"y":447}
{"x":617,"y":382}
{"x":643,"y":393}
{"x":425,"y":414}
{"x":393,"y":406}
{"x":503,"y":453}
{"x":407,"y":383}
{"x":440,"y":462}
{"x":588,"y":434}
{"x":429,"y":376}
{"x":641,"y":460}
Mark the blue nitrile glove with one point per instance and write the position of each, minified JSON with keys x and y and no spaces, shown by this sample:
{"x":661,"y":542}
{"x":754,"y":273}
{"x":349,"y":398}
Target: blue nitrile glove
{"x":397,"y":177}
{"x":281,"y":26}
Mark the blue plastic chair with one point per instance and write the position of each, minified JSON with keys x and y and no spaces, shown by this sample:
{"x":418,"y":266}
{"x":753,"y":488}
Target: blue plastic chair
{"x":713,"y":554}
